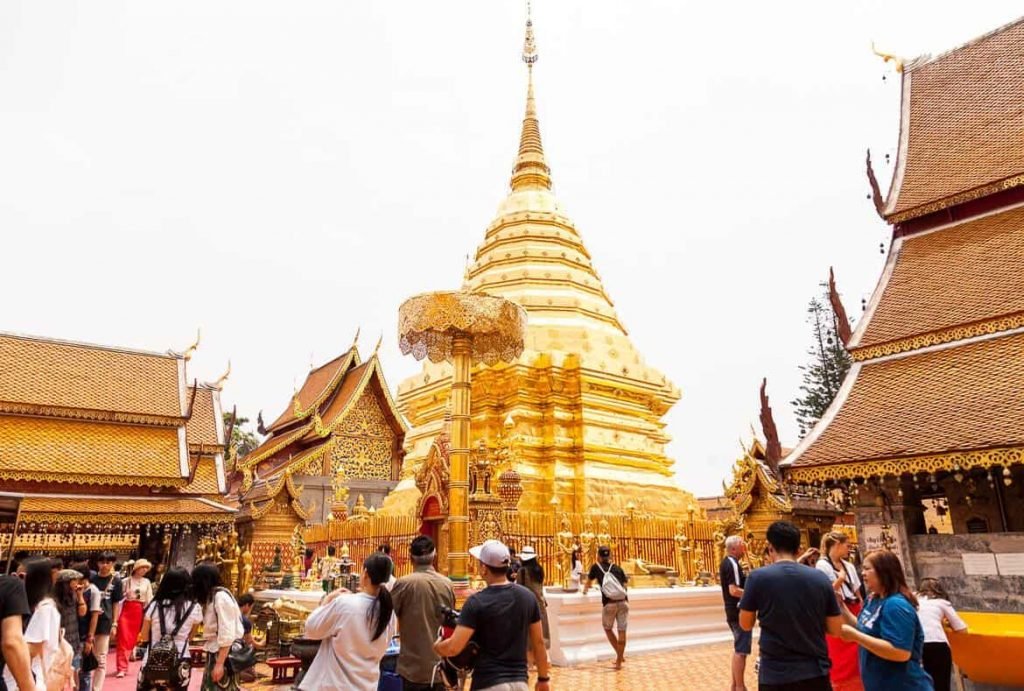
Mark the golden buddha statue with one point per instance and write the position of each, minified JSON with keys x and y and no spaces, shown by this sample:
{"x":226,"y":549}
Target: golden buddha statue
{"x":565,"y":542}
{"x":682,"y":552}
{"x":587,"y":543}
{"x":245,"y":575}
{"x":604,"y":536}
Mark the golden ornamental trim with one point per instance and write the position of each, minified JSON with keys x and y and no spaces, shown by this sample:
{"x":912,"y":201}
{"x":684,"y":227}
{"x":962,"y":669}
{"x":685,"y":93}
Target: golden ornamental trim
{"x":986,"y":458}
{"x":967,"y":196}
{"x":351,"y":358}
{"x":76,"y":478}
{"x":10,"y":408}
{"x":956,"y":333}
{"x":123,"y":519}
{"x":285,"y":440}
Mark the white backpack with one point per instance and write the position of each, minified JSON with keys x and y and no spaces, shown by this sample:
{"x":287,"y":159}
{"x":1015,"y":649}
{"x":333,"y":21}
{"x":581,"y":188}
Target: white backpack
{"x":610,"y":586}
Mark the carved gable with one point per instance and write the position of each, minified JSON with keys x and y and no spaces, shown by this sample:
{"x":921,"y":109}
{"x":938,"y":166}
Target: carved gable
{"x":364,"y":443}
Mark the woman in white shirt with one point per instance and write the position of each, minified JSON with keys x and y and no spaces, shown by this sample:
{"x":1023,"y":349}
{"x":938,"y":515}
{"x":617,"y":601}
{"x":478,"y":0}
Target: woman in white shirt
{"x":845,"y":670}
{"x":43,"y":632}
{"x":178,"y":610}
{"x":222,"y":626}
{"x":354,"y":630}
{"x":138,"y":592}
{"x":933,"y":609}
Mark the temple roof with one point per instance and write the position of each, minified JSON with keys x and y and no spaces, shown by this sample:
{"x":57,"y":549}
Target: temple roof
{"x":115,"y":510}
{"x":88,"y":414}
{"x":956,"y":397}
{"x":47,"y":373}
{"x":319,"y":384}
{"x":81,"y":451}
{"x":962,"y":128}
{"x":327,"y":409}
{"x":968,"y":273}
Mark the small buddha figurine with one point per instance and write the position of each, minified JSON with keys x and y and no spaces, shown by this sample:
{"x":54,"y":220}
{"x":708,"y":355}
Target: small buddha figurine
{"x":587,"y":539}
{"x":275,"y":566}
{"x":682,"y":551}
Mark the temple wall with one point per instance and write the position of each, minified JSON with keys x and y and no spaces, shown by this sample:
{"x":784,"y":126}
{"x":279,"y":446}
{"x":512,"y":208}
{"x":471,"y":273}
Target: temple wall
{"x":939,"y":556}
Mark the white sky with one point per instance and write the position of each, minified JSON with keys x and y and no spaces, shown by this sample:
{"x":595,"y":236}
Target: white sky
{"x":279,"y":173}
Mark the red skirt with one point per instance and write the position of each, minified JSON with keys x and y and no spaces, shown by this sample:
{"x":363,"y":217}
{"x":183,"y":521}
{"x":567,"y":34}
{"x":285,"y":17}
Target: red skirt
{"x":845,"y":672}
{"x":128,"y":627}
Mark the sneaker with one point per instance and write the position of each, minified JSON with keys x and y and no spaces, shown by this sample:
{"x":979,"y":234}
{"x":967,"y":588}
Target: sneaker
{"x":120,"y":675}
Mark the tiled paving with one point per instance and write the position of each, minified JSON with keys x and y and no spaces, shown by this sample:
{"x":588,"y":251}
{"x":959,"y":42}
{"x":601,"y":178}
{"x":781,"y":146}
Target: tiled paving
{"x":697,"y":668}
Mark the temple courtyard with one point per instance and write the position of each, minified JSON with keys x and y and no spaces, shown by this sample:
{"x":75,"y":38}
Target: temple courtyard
{"x":696,"y":667}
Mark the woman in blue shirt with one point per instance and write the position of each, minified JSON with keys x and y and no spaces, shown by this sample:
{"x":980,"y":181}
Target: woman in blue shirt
{"x":888,"y":630}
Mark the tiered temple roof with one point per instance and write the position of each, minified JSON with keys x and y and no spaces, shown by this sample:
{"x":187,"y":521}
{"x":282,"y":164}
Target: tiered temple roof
{"x":342,"y":419}
{"x":939,"y":352}
{"x":81,"y":423}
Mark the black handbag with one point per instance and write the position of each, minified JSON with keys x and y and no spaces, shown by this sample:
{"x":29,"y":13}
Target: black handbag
{"x":241,"y":656}
{"x":89,"y":662}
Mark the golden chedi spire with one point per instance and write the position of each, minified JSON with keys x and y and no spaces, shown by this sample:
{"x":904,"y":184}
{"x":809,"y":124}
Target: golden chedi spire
{"x":531,"y":170}
{"x":579,"y":363}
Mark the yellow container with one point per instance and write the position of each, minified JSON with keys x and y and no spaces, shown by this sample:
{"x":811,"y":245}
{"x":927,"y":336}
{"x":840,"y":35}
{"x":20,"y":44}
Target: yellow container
{"x":991,"y":651}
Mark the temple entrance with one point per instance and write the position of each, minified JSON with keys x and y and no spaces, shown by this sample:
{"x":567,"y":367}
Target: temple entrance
{"x":431,"y":524}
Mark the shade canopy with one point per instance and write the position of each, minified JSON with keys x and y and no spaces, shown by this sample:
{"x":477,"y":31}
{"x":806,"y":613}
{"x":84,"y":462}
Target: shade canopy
{"x":429,"y":323}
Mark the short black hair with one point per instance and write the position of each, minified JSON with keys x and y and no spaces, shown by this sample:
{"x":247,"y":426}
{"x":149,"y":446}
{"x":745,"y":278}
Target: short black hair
{"x":497,"y":570}
{"x":331,"y":550}
{"x":421,"y":546}
{"x":604,"y":551}
{"x":784,"y":537}
{"x":385,"y":548}
{"x":106,"y":556}
{"x":246,"y":599}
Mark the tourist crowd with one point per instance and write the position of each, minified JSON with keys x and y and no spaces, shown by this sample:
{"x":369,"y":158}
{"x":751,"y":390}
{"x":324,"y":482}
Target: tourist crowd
{"x":824,"y":626}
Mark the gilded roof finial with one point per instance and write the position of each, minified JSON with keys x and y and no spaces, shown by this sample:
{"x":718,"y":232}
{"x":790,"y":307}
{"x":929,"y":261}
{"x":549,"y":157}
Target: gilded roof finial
{"x":531,"y":171}
{"x":886,"y":57}
{"x":376,"y":348}
{"x":190,"y":351}
{"x":355,"y":339}
{"x":219,"y":384}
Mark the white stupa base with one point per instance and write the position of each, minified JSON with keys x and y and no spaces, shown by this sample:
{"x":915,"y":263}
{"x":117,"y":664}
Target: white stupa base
{"x":659,"y":619}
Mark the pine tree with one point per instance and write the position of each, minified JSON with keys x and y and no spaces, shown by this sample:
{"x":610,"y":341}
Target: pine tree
{"x":830,"y":362}
{"x":242,"y":440}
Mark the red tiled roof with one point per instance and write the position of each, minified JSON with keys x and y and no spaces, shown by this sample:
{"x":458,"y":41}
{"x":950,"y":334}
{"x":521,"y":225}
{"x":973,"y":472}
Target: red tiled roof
{"x":317,"y":385}
{"x":965,"y":122}
{"x":959,"y":275}
{"x":952,"y":399}
{"x":202,"y":426}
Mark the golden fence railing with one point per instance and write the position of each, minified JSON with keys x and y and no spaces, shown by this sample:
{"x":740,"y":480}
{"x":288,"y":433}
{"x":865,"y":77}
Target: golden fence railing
{"x":650,"y":538}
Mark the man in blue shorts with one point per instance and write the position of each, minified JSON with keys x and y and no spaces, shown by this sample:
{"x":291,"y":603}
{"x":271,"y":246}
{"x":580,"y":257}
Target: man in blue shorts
{"x":733,"y":577}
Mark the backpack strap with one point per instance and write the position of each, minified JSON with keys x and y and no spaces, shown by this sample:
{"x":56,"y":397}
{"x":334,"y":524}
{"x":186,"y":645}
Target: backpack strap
{"x":184,"y":618}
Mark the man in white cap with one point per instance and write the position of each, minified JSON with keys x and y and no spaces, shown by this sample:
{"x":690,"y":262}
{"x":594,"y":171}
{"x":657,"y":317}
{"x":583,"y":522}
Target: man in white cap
{"x":503,"y":619}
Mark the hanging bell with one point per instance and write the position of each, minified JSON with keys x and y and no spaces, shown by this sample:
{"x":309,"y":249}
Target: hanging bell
{"x":1007,"y":477}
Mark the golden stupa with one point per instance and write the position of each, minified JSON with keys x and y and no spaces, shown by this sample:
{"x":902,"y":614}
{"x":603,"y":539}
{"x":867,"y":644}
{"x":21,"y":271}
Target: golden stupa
{"x":583,"y":408}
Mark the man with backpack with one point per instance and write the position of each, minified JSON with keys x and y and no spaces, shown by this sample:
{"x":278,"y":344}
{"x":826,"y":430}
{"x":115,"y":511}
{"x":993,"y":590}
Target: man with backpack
{"x":614,"y":601}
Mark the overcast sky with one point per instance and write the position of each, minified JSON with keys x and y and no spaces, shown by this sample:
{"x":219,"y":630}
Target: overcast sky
{"x":279,"y":173}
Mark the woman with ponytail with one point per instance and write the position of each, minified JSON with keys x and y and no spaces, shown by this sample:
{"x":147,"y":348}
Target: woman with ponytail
{"x":888,"y":630}
{"x":354,"y":630}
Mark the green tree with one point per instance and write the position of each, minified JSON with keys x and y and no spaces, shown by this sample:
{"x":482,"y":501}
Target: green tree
{"x":242,"y":440}
{"x":828,"y":366}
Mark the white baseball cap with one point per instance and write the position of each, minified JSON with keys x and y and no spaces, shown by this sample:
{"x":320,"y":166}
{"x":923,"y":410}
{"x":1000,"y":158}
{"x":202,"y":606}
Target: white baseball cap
{"x":492,"y":553}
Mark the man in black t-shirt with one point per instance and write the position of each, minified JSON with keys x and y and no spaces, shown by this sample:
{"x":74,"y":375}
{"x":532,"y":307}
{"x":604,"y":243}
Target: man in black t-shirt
{"x":502,"y":619}
{"x":732,"y":577}
{"x":14,"y":613}
{"x":614,"y":610}
{"x":111,"y":600}
{"x":796,"y":606}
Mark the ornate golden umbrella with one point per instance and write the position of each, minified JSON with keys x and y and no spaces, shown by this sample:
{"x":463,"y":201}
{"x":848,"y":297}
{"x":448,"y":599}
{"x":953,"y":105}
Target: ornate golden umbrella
{"x":462,"y":328}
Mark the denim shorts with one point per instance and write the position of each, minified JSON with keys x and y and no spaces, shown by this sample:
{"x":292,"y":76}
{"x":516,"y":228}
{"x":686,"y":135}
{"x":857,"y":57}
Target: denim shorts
{"x":741,"y":640}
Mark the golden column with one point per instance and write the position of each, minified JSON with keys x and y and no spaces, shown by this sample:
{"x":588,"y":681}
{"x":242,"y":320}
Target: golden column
{"x":463,"y":328}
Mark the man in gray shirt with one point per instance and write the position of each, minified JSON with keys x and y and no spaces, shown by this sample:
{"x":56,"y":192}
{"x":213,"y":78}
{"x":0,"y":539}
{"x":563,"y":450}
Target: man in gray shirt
{"x":418,"y":598}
